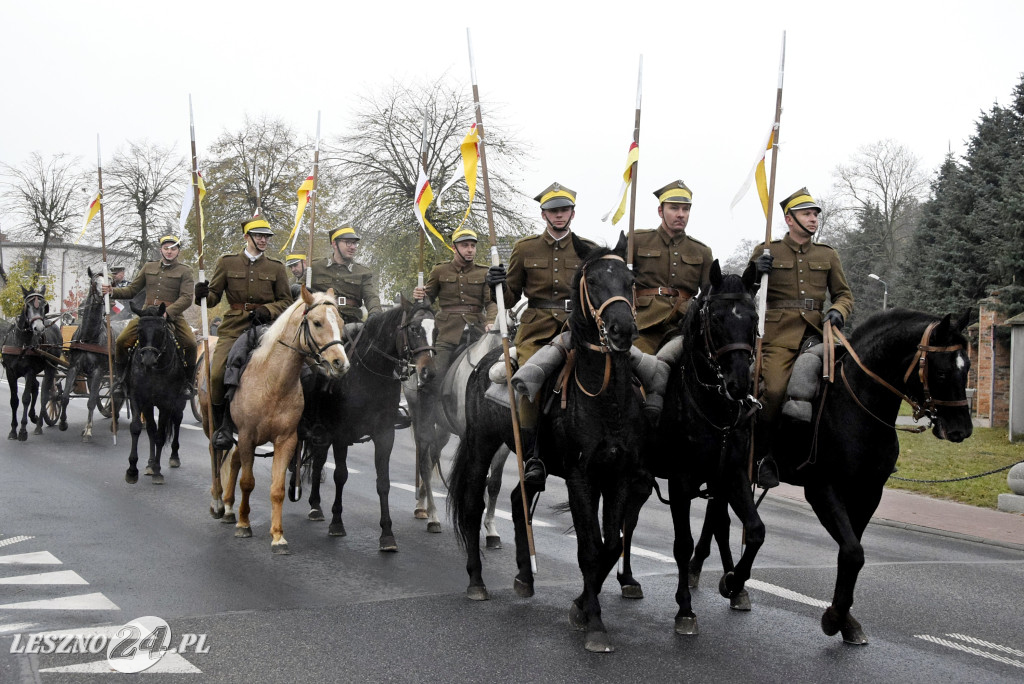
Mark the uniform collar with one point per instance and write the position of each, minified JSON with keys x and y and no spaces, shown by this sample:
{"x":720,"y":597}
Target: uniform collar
{"x":794,"y":245}
{"x":668,"y":239}
{"x":250,"y":257}
{"x":549,"y":240}
{"x":331,"y":263}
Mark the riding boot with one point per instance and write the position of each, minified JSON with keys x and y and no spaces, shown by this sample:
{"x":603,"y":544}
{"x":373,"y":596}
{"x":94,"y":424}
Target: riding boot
{"x":223,"y":437}
{"x":190,"y":375}
{"x":119,"y":385}
{"x":767,"y":468}
{"x":535,"y":474}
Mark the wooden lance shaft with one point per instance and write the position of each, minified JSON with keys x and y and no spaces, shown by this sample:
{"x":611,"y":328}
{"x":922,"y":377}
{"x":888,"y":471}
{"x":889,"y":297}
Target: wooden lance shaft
{"x":502,"y":323}
{"x":312,"y":208}
{"x":114,"y":409}
{"x":635,"y":166}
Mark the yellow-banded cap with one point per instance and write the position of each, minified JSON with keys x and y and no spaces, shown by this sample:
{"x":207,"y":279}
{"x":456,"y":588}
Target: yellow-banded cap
{"x":294,"y":259}
{"x":555,"y":196}
{"x":345,"y":233}
{"x":801,"y":199}
{"x":257,"y":226}
{"x":463,"y":234}
{"x":172,"y":239}
{"x":675,"y":192}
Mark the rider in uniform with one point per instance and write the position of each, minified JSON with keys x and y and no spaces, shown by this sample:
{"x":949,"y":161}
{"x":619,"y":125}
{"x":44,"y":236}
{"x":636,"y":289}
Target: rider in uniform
{"x":670,"y":267}
{"x":296,"y":263}
{"x":256,"y":287}
{"x":460,"y":290}
{"x":168,"y":282}
{"x":541,"y":267}
{"x":801,"y":274}
{"x":352,"y":282}
{"x":117,"y":276}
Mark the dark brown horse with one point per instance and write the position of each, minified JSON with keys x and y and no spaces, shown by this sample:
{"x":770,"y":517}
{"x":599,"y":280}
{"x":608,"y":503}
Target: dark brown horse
{"x":28,"y":349}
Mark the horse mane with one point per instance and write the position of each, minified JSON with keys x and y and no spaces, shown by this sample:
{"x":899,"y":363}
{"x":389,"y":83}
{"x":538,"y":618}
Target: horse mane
{"x":578,"y":316}
{"x":278,"y":327}
{"x":880,"y":329}
{"x":375,"y":327}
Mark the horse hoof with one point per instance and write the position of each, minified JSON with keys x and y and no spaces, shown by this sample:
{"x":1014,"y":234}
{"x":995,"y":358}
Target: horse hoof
{"x":217,"y":513}
{"x":148,"y":470}
{"x":687,"y":625}
{"x":86,"y":439}
{"x":158,"y":479}
{"x":723,"y":586}
{"x":853,"y":633}
{"x":493,"y":542}
{"x":131,"y":478}
{"x":420,"y":514}
{"x":692,"y":579}
{"x":522,"y":589}
{"x":315,"y":514}
{"x":337,"y":530}
{"x":632,"y":591}
{"x":174,"y":462}
{"x":434,"y":527}
{"x":598,"y":642}
{"x":62,"y":427}
{"x":23,"y":436}
{"x":243,"y":532}
{"x":741,"y":601}
{"x":477,"y":593}
{"x":37,"y":431}
{"x":577,"y":619}
{"x":280,"y":549}
{"x":228,"y":518}
{"x":388,"y":544}
{"x":830,"y":622}
{"x":12,"y":435}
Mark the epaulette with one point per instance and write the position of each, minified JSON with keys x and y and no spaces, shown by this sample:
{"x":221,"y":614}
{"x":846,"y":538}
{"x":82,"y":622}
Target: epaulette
{"x":645,"y":231}
{"x":696,"y":240}
{"x":822,"y":244}
{"x":270,"y":258}
{"x":529,"y":237}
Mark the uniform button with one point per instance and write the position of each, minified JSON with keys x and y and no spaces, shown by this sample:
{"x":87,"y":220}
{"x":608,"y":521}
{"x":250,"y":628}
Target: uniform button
{"x":802,"y":292}
{"x":673,"y":275}
{"x":801,"y":280}
{"x":556,"y":281}
{"x":556,"y":258}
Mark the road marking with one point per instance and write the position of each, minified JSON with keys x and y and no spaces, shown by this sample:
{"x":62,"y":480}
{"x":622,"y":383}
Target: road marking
{"x":95,"y":601}
{"x":169,"y":663}
{"x":192,"y":427}
{"x":351,"y":470}
{"x":782,"y":592}
{"x":987,"y":644}
{"x":16,"y":627}
{"x":973,"y":651}
{"x":14,"y":540}
{"x":37,"y":558}
{"x":58,"y":577}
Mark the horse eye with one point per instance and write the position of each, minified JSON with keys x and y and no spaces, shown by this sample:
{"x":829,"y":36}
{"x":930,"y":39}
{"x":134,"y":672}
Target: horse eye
{"x":317,"y":324}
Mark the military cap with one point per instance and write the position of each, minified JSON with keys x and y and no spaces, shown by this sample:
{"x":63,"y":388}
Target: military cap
{"x":463,"y":234}
{"x":294,"y":259}
{"x":172,"y":239}
{"x":345,"y":233}
{"x":116,"y":268}
{"x":555,"y":196}
{"x":801,"y":199}
{"x":675,"y":192}
{"x":257,"y":226}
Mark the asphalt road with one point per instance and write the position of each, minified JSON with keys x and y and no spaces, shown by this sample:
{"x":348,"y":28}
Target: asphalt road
{"x":82,"y":550}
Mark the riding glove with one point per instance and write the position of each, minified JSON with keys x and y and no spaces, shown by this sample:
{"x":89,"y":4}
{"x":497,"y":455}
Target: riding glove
{"x":763,"y":265}
{"x":202,"y":289}
{"x":835,"y":318}
{"x":260,"y":316}
{"x":495,"y":276}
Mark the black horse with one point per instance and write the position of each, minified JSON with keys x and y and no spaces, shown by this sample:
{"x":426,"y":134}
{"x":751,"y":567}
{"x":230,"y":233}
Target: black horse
{"x":28,"y":349}
{"x":704,"y":433}
{"x":156,"y":382}
{"x":590,"y":436}
{"x":87,"y":355}
{"x":364,"y":404}
{"x":843,"y":458}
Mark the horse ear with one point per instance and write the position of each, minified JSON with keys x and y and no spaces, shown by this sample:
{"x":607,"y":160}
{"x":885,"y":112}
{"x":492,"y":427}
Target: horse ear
{"x":135,"y":310}
{"x":965,"y":318}
{"x":622,"y":245}
{"x":307,"y":296}
{"x":162,"y":309}
{"x":942,"y":329}
{"x":750,"y":280}
{"x":88,"y":272}
{"x":43,"y":291}
{"x":403,"y":302}
{"x":581,"y":247}
{"x":715,"y":275}
{"x":24,"y":293}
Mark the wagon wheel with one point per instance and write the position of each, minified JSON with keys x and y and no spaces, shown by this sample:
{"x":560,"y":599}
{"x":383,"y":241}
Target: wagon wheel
{"x":104,"y":399}
{"x":194,"y":399}
{"x":51,"y":412}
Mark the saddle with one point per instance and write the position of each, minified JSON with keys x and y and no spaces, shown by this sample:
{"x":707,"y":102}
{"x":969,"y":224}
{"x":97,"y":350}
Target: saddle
{"x":807,"y":379}
{"x":238,"y":357}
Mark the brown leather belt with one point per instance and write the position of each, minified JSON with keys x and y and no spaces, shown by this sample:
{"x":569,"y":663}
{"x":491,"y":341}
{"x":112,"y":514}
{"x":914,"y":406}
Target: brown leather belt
{"x":560,"y":304}
{"x":158,"y":302}
{"x":664,"y":292}
{"x":462,"y":309}
{"x":247,"y":306}
{"x":807,"y":304}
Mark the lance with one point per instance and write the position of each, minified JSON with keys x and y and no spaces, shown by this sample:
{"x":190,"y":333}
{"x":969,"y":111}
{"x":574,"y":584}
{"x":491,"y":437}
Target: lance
{"x":203,"y":313}
{"x":259,"y":199}
{"x":106,"y":297}
{"x":636,"y":164}
{"x":500,"y":297}
{"x":312,"y":210}
{"x":423,"y":160}
{"x":762,"y":294}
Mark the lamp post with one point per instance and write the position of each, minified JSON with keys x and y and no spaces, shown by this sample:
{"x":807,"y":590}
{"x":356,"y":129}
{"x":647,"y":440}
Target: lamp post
{"x":885,"y":290}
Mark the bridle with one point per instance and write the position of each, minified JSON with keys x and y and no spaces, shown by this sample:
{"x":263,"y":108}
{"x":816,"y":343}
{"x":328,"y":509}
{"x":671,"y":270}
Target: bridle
{"x":159,"y":351}
{"x":403,"y":366}
{"x":313,"y":353}
{"x":602,"y":331}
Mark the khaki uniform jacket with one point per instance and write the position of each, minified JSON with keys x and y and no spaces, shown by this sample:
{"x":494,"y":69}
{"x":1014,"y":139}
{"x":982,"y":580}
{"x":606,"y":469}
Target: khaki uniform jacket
{"x":451,"y":286}
{"x":541,"y":268}
{"x":352,"y":281}
{"x":172,"y":284}
{"x":247,"y":286}
{"x":801,"y":272}
{"x":679,"y":262}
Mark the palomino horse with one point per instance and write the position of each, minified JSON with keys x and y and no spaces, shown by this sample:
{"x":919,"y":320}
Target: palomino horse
{"x":591,"y":436}
{"x":846,"y":454}
{"x":704,"y":432}
{"x":365,"y":403}
{"x":309,"y":331}
{"x":27,"y":348}
{"x":87,"y":355}
{"x":156,"y":380}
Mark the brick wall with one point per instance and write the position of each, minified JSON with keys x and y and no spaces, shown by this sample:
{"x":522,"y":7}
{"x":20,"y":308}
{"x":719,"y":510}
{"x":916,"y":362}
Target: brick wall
{"x":991,"y":361}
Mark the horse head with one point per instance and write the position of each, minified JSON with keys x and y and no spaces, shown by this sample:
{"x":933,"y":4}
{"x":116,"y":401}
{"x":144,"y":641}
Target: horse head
{"x":34,"y":311}
{"x":603,"y":301}
{"x":90,"y":318}
{"x":416,"y":339}
{"x":319,"y":330}
{"x":941,"y":366}
{"x":724,"y":326}
{"x":153,"y":332}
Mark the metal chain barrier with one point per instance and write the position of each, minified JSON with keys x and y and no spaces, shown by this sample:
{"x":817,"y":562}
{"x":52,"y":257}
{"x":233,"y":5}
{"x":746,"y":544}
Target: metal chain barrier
{"x":956,"y":479}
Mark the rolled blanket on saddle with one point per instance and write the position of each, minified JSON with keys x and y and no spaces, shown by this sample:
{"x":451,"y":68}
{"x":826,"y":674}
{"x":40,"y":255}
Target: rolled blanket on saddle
{"x":803,"y":384}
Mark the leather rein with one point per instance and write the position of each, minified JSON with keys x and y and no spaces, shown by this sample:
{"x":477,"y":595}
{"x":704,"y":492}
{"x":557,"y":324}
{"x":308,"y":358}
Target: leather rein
{"x":313,"y":354}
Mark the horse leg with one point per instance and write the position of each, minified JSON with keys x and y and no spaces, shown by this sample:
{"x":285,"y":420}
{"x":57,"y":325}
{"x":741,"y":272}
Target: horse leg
{"x":834,"y":516}
{"x":714,"y":529}
{"x":28,"y":399}
{"x":425,"y":498}
{"x":44,"y":392}
{"x":131,"y":475}
{"x":595,"y":560}
{"x":337,"y":528}
{"x":246,"y":453}
{"x":93,"y":385}
{"x":156,"y":429}
{"x":317,"y":461}
{"x":230,"y":466}
{"x":630,"y":588}
{"x":493,"y":489}
{"x":382,"y":444}
{"x":732,"y":583}
{"x":284,"y":450}
{"x":682,"y":549}
{"x":12,"y":380}
{"x":523,"y":583}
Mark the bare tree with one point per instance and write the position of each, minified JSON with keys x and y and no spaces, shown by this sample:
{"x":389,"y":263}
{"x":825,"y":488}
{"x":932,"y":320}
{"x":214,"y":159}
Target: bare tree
{"x":45,"y":195}
{"x":142,"y":187}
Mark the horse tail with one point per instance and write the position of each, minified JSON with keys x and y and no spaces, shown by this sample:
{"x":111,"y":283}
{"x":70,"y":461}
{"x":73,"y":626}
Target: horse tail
{"x":458,"y":490}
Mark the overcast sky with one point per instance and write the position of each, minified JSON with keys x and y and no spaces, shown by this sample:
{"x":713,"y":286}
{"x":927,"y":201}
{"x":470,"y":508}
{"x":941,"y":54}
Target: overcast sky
{"x":561,"y":75}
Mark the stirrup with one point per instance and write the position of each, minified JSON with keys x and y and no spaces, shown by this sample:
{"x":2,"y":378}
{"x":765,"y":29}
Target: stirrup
{"x":535,"y":473}
{"x":767,"y":473}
